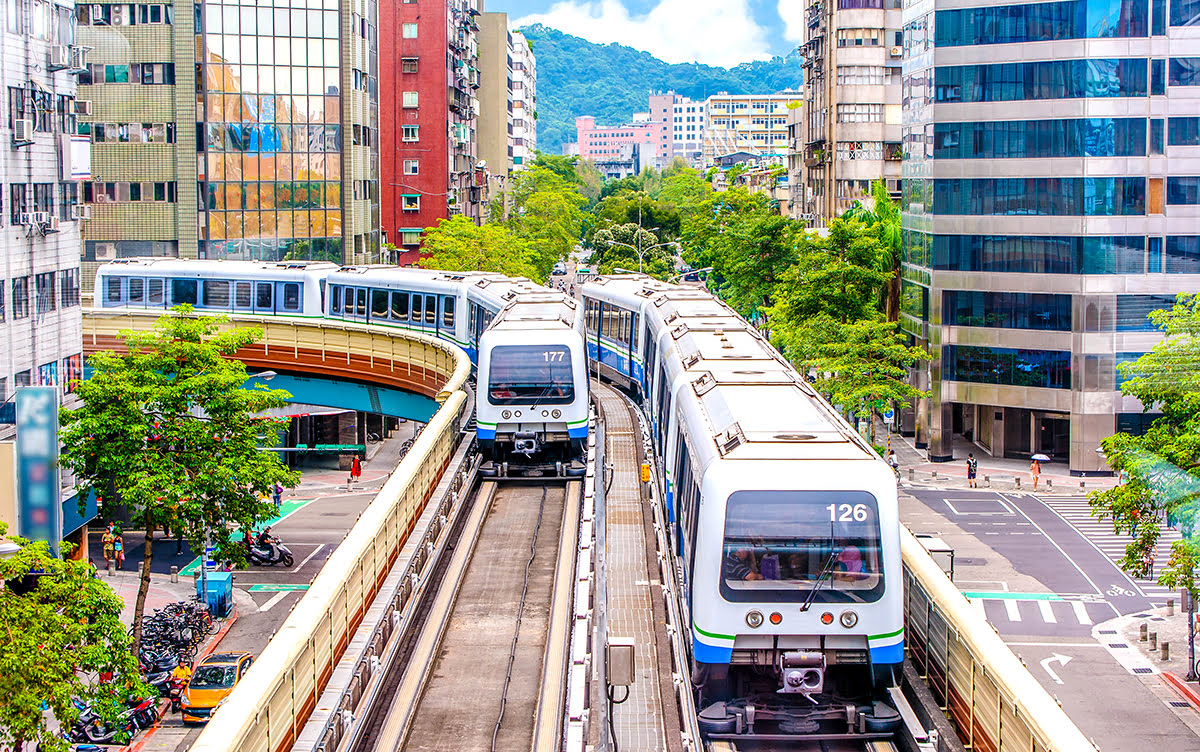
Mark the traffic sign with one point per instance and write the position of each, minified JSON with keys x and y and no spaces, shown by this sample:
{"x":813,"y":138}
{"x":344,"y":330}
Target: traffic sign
{"x":889,"y":415}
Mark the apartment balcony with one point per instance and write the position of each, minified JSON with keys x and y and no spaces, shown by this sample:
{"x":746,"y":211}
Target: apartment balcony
{"x":814,"y":14}
{"x":815,"y":157}
{"x":893,"y":151}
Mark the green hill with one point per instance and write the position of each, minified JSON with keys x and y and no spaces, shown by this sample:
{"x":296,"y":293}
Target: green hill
{"x":612,"y":81}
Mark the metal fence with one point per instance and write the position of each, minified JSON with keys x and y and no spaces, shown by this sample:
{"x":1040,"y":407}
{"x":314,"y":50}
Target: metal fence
{"x":992,"y":699}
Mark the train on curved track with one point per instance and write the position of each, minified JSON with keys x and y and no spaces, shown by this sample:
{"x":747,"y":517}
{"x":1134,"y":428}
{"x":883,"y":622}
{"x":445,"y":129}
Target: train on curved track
{"x":784,"y":523}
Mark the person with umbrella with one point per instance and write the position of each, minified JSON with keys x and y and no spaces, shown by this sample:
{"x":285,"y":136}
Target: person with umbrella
{"x":1035,"y":468}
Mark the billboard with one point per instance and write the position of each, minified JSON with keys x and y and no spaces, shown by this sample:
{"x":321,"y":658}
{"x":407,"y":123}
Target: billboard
{"x":76,"y":157}
{"x":38,"y":502}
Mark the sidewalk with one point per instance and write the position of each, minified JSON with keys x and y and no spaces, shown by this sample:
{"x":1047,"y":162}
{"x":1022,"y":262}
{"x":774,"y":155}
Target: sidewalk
{"x":998,"y":473}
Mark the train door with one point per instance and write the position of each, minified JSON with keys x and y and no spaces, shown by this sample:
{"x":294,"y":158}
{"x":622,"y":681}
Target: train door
{"x":416,"y":314}
{"x":243,"y":296}
{"x":446,"y":317}
{"x":264,"y":298}
{"x":380,"y":303}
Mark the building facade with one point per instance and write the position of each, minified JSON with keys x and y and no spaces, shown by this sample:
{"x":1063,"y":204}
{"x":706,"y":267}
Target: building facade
{"x":428,"y":58}
{"x":850,"y":126}
{"x":223,"y":130}
{"x":524,"y":100}
{"x":601,"y":143}
{"x":681,"y":128}
{"x":1050,"y":201}
{"x":494,"y":127}
{"x":756,"y":123}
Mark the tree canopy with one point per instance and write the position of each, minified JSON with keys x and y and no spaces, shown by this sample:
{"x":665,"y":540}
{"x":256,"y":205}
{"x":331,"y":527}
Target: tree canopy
{"x":169,"y":430}
{"x":458,"y":244}
{"x":615,"y":249}
{"x":61,"y":628}
{"x":1161,"y":467}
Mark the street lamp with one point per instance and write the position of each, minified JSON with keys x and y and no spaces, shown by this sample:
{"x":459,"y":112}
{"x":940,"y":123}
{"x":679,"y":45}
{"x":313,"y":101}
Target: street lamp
{"x":641,"y":252}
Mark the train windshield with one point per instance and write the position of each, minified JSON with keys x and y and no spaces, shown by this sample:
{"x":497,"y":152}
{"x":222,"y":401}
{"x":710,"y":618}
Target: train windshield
{"x":781,"y":546}
{"x":530,"y":373}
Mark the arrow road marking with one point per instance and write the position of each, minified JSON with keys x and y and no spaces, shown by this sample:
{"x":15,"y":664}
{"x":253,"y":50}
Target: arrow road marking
{"x":1062,"y":660}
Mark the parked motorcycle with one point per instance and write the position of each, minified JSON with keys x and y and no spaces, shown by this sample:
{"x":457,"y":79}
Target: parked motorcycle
{"x":92,"y":729}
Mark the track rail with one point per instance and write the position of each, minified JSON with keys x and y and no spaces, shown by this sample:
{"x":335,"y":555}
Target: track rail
{"x":485,"y":668}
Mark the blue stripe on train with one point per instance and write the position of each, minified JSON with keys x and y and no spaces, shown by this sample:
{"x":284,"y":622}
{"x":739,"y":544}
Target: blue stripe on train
{"x":888,"y":653}
{"x":704,"y":653}
{"x":485,"y":433}
{"x":578,"y":433}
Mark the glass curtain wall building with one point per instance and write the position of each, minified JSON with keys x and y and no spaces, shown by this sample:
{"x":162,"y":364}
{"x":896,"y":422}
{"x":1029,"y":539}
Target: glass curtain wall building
{"x":1050,"y":200}
{"x":227,"y":129}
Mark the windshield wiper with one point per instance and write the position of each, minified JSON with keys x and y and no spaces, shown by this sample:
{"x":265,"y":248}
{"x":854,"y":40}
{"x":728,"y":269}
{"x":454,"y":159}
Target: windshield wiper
{"x":826,"y":571}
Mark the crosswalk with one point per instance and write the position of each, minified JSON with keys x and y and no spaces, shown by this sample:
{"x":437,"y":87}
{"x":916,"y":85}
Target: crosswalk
{"x":1040,"y":608}
{"x":1075,"y":510}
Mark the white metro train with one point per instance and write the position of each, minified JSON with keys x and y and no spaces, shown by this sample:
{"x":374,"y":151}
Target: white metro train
{"x":783,"y":521}
{"x":526,"y":340}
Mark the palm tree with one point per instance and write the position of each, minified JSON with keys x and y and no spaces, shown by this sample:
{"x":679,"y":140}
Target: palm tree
{"x":884,"y":215}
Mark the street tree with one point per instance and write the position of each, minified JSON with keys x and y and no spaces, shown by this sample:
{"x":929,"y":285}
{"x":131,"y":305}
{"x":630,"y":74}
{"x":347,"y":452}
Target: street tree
{"x":60,"y":628}
{"x":458,"y":244}
{"x":1161,"y":467}
{"x":168,"y":430}
{"x":660,"y":217}
{"x":685,"y":188}
{"x":616,"y":248}
{"x":751,"y":255}
{"x":547,"y":215}
{"x":837,"y":275}
{"x":884,"y":216}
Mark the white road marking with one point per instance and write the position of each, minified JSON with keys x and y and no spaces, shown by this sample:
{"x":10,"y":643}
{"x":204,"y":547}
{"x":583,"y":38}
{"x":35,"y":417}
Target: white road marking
{"x":1062,"y":660}
{"x":1014,"y":613}
{"x":274,"y":600}
{"x":308,"y":558}
{"x":1047,"y":612}
{"x":1081,"y":612}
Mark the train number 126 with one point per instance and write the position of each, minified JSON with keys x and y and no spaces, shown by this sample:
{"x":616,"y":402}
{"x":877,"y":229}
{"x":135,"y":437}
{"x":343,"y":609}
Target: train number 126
{"x":848,"y":512}
{"x":553,"y":356}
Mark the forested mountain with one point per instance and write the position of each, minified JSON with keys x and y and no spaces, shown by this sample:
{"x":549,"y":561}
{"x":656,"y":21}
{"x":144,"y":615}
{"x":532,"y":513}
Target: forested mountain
{"x":612,"y":81}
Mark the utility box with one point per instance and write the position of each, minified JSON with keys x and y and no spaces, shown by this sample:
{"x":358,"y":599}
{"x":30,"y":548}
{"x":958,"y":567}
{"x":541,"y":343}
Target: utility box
{"x":218,"y":595}
{"x":618,"y":654}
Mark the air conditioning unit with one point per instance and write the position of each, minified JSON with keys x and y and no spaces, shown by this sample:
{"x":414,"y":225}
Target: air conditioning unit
{"x":81,"y":211}
{"x":51,"y":223}
{"x":60,"y":57}
{"x":41,"y":218}
{"x":897,"y":51}
{"x":106,"y":251}
{"x":83,"y":107}
{"x":79,"y":58}
{"x":23,"y":131}
{"x":26,"y":219}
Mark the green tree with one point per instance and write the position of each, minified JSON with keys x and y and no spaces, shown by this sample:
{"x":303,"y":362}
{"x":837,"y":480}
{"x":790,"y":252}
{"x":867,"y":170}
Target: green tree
{"x":659,"y":217}
{"x":591,"y":182}
{"x":884,"y":215}
{"x":685,"y":188}
{"x":618,"y":186}
{"x":168,"y":429}
{"x":458,"y":244}
{"x":547,"y":215}
{"x":836,"y":275}
{"x":1162,"y":466}
{"x":563,"y":166}
{"x":751,"y":255}
{"x":702,"y":223}
{"x":615,"y":249}
{"x":60,"y":628}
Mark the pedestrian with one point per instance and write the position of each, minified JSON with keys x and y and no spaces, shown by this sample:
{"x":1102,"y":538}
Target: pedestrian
{"x":972,"y":470}
{"x":118,"y":547}
{"x":277,"y":494}
{"x":893,"y":462}
{"x":106,"y":540}
{"x":355,"y":469}
{"x":1035,"y":469}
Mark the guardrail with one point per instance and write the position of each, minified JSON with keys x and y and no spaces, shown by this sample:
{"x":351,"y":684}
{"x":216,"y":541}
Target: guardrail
{"x":268,"y":707}
{"x":991,"y":698}
{"x":340,"y":349}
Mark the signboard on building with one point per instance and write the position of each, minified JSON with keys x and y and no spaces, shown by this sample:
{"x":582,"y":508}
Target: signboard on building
{"x":39,"y":508}
{"x":76,"y":157}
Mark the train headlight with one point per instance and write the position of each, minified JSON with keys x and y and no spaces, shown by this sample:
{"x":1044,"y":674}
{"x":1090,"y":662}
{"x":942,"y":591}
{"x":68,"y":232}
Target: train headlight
{"x":556,"y":414}
{"x":545,"y":413}
{"x":518,"y":413}
{"x":754,"y":619}
{"x":506,"y":414}
{"x":848,"y":619}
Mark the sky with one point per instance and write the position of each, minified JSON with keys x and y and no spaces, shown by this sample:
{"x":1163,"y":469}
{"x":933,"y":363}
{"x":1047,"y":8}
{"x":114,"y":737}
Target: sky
{"x":714,"y":32}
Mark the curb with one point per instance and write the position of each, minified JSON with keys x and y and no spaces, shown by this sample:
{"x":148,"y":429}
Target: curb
{"x":165,"y":704}
{"x":1182,"y":688}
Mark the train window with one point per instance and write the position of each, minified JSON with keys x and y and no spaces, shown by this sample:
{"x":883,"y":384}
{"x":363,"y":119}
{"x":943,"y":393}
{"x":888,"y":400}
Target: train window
{"x":379,"y":304}
{"x":521,"y":374}
{"x":415,"y":314}
{"x":155,"y":288}
{"x":348,"y":295}
{"x":241,"y":294}
{"x":112,"y":289}
{"x":431,"y":310}
{"x":183,"y":291}
{"x":400,"y":306}
{"x":137,"y":291}
{"x":215,"y":293}
{"x":262,"y":296}
{"x":448,"y":313}
{"x":782,"y":545}
{"x":291,"y":296}
{"x":633,"y":332}
{"x":360,"y":301}
{"x":335,"y":299}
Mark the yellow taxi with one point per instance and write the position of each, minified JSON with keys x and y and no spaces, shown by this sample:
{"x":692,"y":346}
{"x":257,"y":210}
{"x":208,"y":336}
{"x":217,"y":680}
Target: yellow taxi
{"x":211,"y":683}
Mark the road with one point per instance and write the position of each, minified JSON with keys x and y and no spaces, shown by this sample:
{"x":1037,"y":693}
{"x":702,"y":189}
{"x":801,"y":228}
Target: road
{"x":1047,"y":581}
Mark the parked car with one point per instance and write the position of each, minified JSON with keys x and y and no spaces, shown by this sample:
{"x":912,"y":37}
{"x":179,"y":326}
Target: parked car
{"x":559,"y":269}
{"x":211,"y":683}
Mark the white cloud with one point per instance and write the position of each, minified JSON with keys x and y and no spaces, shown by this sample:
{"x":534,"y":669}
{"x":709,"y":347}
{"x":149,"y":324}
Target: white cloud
{"x":715,"y":32}
{"x":793,"y":14}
